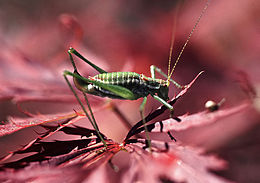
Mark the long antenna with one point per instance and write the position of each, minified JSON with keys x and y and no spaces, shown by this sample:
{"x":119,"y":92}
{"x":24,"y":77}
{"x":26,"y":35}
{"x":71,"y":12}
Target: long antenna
{"x":172,"y":40}
{"x":185,"y":44}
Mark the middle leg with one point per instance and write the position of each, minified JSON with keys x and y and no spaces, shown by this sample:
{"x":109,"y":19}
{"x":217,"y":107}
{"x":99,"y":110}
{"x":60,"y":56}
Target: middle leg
{"x":141,"y":109}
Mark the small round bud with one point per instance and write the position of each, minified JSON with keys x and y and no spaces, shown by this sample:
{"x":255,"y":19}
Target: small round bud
{"x":211,"y":105}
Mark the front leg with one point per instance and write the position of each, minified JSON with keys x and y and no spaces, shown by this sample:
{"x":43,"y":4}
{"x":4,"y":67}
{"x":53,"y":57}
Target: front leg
{"x":153,"y":68}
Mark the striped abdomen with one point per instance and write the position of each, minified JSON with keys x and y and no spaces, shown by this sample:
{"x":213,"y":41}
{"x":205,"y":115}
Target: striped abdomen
{"x":139,"y":84}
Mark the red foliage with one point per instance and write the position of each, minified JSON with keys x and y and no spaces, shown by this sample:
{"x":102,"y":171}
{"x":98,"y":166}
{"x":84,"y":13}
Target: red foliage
{"x":169,"y":161}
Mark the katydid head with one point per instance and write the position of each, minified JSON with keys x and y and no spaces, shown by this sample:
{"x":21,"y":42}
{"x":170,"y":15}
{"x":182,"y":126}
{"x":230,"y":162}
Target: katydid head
{"x":163,"y":92}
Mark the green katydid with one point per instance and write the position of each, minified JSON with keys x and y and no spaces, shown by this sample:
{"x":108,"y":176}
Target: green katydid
{"x":125,"y":85}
